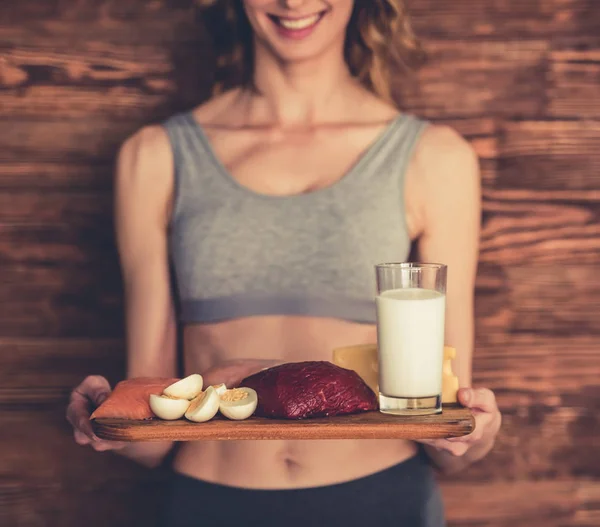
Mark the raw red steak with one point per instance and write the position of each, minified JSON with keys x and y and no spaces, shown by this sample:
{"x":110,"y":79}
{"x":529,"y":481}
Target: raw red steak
{"x":298,"y":390}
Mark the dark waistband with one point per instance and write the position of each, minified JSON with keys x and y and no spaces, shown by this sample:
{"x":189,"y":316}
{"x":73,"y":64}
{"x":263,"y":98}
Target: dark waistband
{"x":212,"y":310}
{"x":405,"y":494}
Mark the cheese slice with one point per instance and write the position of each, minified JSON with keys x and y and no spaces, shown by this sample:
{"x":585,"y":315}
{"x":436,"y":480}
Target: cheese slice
{"x":449,"y":380}
{"x":362,"y":359}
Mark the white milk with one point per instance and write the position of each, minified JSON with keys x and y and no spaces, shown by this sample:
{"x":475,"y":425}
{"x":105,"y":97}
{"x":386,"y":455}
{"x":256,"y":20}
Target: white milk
{"x":410,"y":335}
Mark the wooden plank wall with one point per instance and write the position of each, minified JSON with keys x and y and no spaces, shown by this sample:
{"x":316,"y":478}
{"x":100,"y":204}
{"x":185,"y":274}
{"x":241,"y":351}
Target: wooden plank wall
{"x":520,"y":78}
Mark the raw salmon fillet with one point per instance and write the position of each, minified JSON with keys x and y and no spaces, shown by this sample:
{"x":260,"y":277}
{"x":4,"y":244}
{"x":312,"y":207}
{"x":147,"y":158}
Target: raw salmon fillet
{"x":130,"y":398}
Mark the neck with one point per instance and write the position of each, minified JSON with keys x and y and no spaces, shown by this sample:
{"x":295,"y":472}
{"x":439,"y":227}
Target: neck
{"x":301,"y":93}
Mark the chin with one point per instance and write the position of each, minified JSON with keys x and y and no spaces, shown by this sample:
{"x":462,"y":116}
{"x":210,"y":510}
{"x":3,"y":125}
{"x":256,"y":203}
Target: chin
{"x":303,"y":33}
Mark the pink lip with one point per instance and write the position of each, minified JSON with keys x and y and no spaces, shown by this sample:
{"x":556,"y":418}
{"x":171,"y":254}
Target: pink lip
{"x":295,"y":34}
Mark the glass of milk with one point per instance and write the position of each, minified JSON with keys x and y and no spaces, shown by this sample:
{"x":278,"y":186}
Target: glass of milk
{"x":411,"y":306}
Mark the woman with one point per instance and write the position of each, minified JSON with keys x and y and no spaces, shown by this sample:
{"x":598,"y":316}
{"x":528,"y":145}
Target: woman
{"x":274,"y":200}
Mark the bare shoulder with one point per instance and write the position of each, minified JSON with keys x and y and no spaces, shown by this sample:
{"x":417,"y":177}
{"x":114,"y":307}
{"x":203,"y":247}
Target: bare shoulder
{"x":145,"y":175}
{"x":444,"y":156}
{"x":146,"y":150}
{"x":443,"y":181}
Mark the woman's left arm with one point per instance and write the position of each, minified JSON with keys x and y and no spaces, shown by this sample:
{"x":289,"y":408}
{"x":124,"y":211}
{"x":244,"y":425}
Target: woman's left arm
{"x":448,"y":211}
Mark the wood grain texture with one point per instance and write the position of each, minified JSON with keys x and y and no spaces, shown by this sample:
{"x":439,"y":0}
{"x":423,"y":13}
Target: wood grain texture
{"x":562,"y":154}
{"x":503,"y":19}
{"x":26,"y":174}
{"x":52,"y":483}
{"x":47,"y":301}
{"x":574,"y":77}
{"x":454,"y":421}
{"x":484,"y":20}
{"x":25,"y":363}
{"x":558,"y":503}
{"x":519,"y":79}
{"x":452,"y":82}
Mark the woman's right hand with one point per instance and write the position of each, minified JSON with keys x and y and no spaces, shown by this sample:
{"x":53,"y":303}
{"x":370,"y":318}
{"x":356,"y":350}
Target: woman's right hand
{"x":85,"y":398}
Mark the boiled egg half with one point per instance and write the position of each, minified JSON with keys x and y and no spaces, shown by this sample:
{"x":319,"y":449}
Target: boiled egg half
{"x":204,"y":407}
{"x":168,"y":408}
{"x":220,"y":388}
{"x":238,"y":404}
{"x":187,"y":388}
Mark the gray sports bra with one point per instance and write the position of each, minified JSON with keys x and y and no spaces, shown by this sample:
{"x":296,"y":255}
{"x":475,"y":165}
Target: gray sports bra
{"x":237,"y":253}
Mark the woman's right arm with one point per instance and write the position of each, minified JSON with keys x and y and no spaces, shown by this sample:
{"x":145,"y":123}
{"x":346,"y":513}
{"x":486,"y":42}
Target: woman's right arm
{"x":143,"y":195}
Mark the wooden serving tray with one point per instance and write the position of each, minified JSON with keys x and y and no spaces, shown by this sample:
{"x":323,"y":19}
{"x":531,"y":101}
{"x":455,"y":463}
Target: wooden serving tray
{"x":454,"y":421}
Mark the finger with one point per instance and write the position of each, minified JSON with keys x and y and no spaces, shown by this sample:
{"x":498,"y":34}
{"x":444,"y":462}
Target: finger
{"x":95,"y":388}
{"x":81,"y":438}
{"x":479,"y":398}
{"x":230,"y":375}
{"x":104,"y":446}
{"x":458,"y":449}
{"x":436,"y":443}
{"x":211,"y":379}
{"x":82,"y":402}
{"x":101,"y":446}
{"x":72,"y":414}
{"x":85,"y":426}
{"x":79,"y":416}
{"x":481,"y":421}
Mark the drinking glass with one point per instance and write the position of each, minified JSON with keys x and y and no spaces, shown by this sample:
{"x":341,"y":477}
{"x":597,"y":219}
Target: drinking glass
{"x":411,"y":308}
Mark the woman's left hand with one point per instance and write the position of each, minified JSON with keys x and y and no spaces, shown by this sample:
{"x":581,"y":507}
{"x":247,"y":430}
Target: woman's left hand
{"x":232,"y":372}
{"x":488,"y":419}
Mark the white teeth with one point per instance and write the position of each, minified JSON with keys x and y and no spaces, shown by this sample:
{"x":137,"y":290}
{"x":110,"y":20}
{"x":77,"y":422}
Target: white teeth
{"x":299,"y":23}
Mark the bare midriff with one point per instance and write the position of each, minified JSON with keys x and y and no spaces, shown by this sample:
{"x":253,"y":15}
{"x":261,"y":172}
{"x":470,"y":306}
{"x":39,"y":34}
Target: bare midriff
{"x":280,"y":464}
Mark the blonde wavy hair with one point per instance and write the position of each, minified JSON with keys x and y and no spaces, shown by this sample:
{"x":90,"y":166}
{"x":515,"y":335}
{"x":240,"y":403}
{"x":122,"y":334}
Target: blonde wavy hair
{"x":379,"y":42}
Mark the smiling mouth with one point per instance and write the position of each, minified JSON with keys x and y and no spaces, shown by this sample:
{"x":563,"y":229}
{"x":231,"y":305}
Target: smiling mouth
{"x":297,"y":24}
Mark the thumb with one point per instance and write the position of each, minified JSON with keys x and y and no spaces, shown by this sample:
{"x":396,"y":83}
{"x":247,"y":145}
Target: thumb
{"x":100,"y":397}
{"x":465,"y":396}
{"x":95,"y":388}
